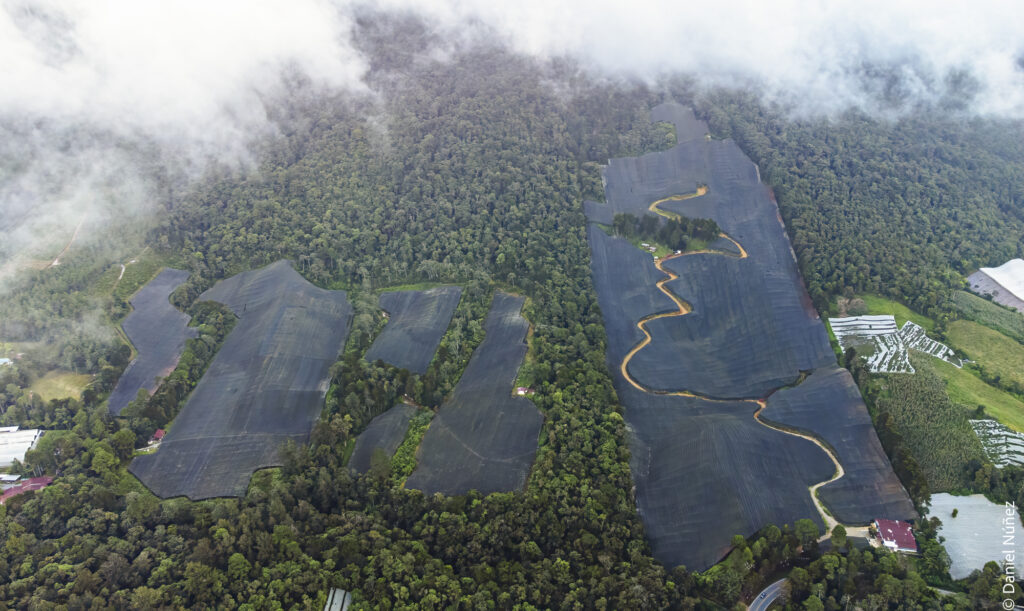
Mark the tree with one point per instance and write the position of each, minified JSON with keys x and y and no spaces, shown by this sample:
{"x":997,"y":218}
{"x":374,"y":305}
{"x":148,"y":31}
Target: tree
{"x":806,"y":531}
{"x":839,"y":536}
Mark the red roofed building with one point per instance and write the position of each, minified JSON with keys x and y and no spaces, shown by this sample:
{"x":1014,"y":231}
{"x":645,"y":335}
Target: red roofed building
{"x":157,"y":436}
{"x":34,"y":483}
{"x":896,"y":535}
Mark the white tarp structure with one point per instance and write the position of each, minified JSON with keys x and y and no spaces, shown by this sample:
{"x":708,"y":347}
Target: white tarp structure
{"x":889,"y":354}
{"x":1004,"y":283}
{"x":914,"y":336}
{"x":1003,"y":445}
{"x":1010,"y":275}
{"x":889,"y":344}
{"x":14,"y":443}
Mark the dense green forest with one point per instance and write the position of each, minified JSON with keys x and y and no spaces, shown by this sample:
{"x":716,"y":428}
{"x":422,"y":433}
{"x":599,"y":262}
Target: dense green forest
{"x":903,"y":208}
{"x":471,"y":170}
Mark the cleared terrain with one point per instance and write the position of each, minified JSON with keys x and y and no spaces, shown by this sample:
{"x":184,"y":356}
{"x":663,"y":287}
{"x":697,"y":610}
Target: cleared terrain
{"x":829,"y":404}
{"x":384,"y":433}
{"x":705,"y":468}
{"x":158,"y":332}
{"x":417,"y":321}
{"x":266,"y":385}
{"x":745,"y":337}
{"x":484,"y":438}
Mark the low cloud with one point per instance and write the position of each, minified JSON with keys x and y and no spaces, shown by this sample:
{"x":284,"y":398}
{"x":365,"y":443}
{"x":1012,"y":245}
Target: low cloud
{"x":95,"y":93}
{"x":819,"y":57}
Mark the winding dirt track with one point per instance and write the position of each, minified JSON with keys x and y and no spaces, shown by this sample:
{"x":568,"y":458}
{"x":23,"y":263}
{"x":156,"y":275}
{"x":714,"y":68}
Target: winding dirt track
{"x":684,"y":308}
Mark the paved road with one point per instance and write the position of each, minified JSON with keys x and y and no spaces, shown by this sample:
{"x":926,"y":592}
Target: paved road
{"x":770,"y":593}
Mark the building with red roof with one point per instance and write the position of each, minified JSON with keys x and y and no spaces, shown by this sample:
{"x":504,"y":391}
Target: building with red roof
{"x":157,"y":436}
{"x":896,"y":535}
{"x":34,"y":483}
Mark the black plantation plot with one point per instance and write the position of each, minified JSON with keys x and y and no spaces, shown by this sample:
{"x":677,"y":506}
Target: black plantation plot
{"x":829,"y":404}
{"x":158,"y":331}
{"x":704,"y":468}
{"x":745,"y":337}
{"x":484,"y":438}
{"x":385,"y":432}
{"x":417,"y":322}
{"x":706,"y":471}
{"x":265,"y":386}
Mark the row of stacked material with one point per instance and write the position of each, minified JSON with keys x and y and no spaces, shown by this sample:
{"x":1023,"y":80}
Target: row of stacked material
{"x":884,"y":345}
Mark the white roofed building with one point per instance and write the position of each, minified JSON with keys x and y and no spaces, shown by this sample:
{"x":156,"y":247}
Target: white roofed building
{"x":1004,"y":283}
{"x":15,"y":442}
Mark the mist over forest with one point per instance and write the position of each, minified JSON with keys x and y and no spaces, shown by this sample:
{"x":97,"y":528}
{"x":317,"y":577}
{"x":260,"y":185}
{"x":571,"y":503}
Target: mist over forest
{"x":107,"y":109}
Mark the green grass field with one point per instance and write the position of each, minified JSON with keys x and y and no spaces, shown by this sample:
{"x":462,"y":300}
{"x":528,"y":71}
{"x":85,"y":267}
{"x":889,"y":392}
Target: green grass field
{"x":993,"y":351}
{"x":990,"y":314}
{"x":418,"y":286}
{"x":60,"y":385}
{"x":881,"y":305}
{"x":965,"y":388}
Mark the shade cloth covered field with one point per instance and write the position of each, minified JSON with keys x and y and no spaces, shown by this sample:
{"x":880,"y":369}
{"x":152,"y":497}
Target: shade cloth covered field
{"x":158,"y":331}
{"x":829,"y":404}
{"x":385,"y":432}
{"x":266,"y":385}
{"x":417,"y":321}
{"x":705,"y":469}
{"x":484,"y":438}
{"x":743,"y":338}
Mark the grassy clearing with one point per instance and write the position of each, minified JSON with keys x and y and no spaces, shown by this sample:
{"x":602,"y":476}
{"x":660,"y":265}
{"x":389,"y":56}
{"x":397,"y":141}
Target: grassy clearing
{"x":993,"y":315}
{"x":993,"y":351}
{"x":660,"y":250}
{"x":60,"y":385}
{"x":881,"y":305}
{"x":417,"y":286}
{"x":965,"y":388}
{"x":404,"y":461}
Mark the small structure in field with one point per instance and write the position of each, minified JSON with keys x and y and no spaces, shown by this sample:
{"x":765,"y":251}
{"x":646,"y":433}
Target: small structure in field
{"x":896,"y":535}
{"x":33,"y":483}
{"x":523,"y":390}
{"x":338,"y":600}
{"x":157,"y":436}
